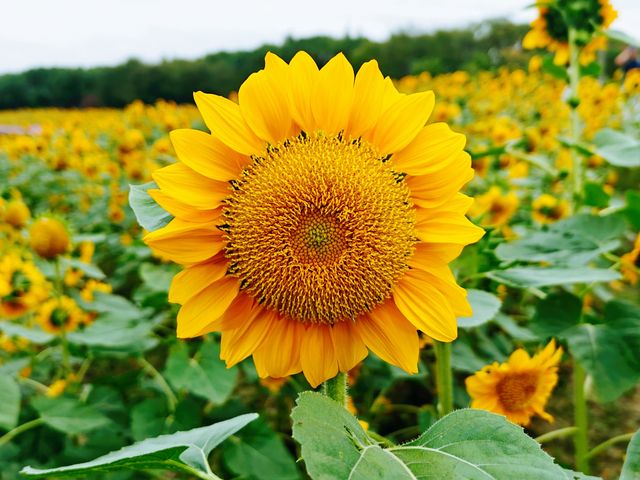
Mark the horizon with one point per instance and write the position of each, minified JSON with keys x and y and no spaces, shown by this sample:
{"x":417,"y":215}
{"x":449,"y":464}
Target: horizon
{"x":45,"y":41}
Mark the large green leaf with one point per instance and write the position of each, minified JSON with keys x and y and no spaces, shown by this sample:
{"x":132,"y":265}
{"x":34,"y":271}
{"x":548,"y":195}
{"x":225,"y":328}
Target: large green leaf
{"x":607,"y":353}
{"x":524,"y":277}
{"x":555,"y":314}
{"x":33,"y":334}
{"x":182,"y":451}
{"x":631,"y":467}
{"x":205,"y":375}
{"x":257,"y":453}
{"x":471,"y":444}
{"x":622,"y":37}
{"x":9,"y":401}
{"x":572,"y":242}
{"x":67,"y":415}
{"x":149,"y":214}
{"x":485,"y":305}
{"x":617,"y":148}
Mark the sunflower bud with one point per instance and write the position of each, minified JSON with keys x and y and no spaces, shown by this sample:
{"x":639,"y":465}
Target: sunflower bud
{"x":16,"y":213}
{"x":49,"y":238}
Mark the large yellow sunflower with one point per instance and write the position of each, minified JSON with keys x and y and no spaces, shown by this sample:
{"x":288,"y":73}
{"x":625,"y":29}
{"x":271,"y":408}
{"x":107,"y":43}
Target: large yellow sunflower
{"x":518,"y":388}
{"x":317,"y":219}
{"x":551,"y":28}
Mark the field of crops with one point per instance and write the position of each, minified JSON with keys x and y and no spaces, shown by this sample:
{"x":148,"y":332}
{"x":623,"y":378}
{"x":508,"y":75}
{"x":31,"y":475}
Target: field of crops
{"x":108,"y":225}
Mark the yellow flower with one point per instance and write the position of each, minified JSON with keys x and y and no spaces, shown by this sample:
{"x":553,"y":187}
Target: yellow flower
{"x":93,"y":286}
{"x":49,"y":238}
{"x":550,"y":29}
{"x":317,"y":220}
{"x":60,"y":315}
{"x":16,"y":213}
{"x":22,"y":286}
{"x":57,"y":388}
{"x":496,"y":207}
{"x":518,"y":388}
{"x":549,"y":209}
{"x":630,"y":263}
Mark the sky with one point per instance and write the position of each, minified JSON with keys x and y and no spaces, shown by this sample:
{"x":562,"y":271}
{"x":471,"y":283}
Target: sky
{"x":84,"y":33}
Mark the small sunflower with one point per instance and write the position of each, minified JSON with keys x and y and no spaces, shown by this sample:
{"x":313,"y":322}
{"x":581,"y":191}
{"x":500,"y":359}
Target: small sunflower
{"x":317,"y":220}
{"x":549,"y":209}
{"x":49,"y":237}
{"x":551,"y":28}
{"x":630,"y":263}
{"x":496,"y":207}
{"x":60,"y":315}
{"x":518,"y":388}
{"x":22,"y":286}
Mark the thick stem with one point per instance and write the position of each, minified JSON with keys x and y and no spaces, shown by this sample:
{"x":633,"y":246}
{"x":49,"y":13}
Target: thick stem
{"x":575,"y":129}
{"x":336,"y":388}
{"x":581,"y":420}
{"x":444,"y":378}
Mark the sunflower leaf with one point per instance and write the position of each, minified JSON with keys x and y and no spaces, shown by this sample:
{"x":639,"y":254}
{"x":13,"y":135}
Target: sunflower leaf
{"x":149,"y":214}
{"x":182,"y":451}
{"x":10,"y":401}
{"x":631,"y":467}
{"x":524,"y":277}
{"x":617,"y":148}
{"x":485,"y":306}
{"x":473,"y":444}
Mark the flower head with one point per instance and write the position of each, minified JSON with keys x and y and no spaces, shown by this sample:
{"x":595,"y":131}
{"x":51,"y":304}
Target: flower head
{"x":22,"y":286}
{"x":551,"y":28}
{"x":49,"y":237}
{"x":317,"y":220}
{"x":549,"y":209}
{"x":60,"y":315}
{"x":518,"y":388}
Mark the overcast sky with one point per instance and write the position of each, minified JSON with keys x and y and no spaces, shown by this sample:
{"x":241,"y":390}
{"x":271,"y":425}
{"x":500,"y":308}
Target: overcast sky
{"x":85,"y":33}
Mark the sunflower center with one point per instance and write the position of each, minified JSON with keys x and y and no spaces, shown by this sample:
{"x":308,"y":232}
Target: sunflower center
{"x":319,"y":228}
{"x":515,"y":391}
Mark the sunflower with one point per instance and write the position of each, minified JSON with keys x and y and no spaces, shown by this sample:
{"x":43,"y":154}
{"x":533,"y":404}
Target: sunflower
{"x":630,"y":263}
{"x":518,"y":388}
{"x":60,"y":315}
{"x":317,"y":220}
{"x":22,"y":286}
{"x":549,"y":209}
{"x":49,"y":237}
{"x":496,"y":207}
{"x":551,"y":28}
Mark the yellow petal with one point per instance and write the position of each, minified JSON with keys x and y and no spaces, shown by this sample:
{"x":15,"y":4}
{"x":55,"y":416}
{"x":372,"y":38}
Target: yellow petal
{"x":207,"y":155}
{"x":388,"y":334}
{"x":264,"y":102}
{"x":238,"y":344}
{"x":440,"y":252}
{"x":425,"y":307}
{"x":317,"y":356}
{"x":432,"y":150}
{"x":224,"y":120}
{"x":446,"y":227}
{"x":195,"y":278}
{"x":190,"y":187}
{"x":279,"y":354}
{"x":206,"y":306}
{"x":401,"y":122}
{"x":237,"y":314}
{"x":333,"y":95}
{"x":303,"y":74}
{"x":182,"y":210}
{"x":348,"y":346}
{"x":368,"y":96}
{"x":186,"y":242}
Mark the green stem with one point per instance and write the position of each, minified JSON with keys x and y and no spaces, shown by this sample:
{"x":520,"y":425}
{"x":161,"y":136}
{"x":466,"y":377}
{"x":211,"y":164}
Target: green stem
{"x":444,"y":378}
{"x":172,"y":400}
{"x":380,"y":439}
{"x":581,"y":420}
{"x":575,"y":130}
{"x":336,"y":388}
{"x":7,"y":437}
{"x":625,"y":437}
{"x":555,"y":434}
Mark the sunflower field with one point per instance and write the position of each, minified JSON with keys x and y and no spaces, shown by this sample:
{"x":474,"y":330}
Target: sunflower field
{"x":331,"y":274}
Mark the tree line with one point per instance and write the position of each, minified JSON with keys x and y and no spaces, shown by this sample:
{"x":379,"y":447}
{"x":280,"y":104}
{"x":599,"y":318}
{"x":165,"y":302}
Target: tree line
{"x":482,"y":46}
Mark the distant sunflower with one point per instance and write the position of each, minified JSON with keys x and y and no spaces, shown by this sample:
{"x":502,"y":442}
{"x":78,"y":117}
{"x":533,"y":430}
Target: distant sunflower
{"x":22,"y":286}
{"x":318,"y":219}
{"x":551,"y":28}
{"x":630,"y":263}
{"x":548,"y":209}
{"x":60,"y":315}
{"x":518,"y":388}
